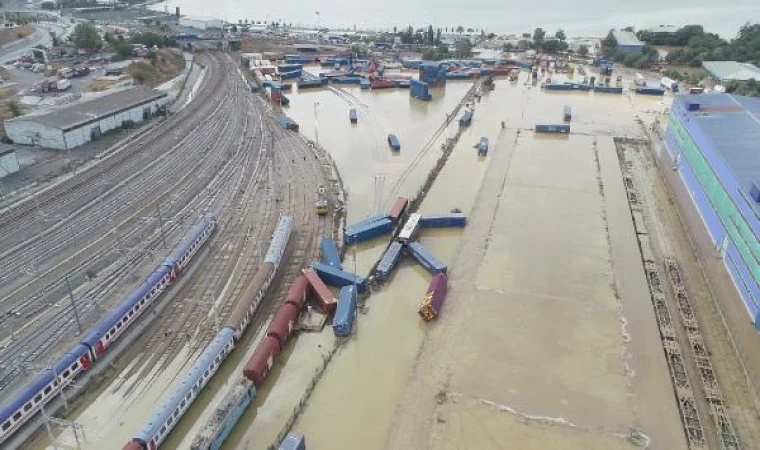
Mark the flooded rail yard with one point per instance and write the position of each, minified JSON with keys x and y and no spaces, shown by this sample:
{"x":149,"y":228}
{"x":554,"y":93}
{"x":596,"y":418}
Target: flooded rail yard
{"x":548,"y":336}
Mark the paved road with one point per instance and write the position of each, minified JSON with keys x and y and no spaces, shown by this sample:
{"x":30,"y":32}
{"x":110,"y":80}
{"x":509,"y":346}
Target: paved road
{"x":41,"y":36}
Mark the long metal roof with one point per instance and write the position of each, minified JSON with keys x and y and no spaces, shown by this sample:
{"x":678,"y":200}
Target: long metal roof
{"x":77,"y":114}
{"x":732,"y":70}
{"x":732,"y":125}
{"x":626,"y":38}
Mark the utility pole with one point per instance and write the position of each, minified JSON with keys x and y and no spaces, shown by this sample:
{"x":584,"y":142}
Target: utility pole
{"x":74,"y":307}
{"x":161,"y":223}
{"x":316,"y":127}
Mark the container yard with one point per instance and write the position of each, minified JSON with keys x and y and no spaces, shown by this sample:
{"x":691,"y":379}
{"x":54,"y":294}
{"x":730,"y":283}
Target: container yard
{"x":521,"y":316}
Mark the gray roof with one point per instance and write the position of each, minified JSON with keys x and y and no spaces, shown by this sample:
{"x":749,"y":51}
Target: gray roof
{"x":664,"y":29}
{"x":731,"y":70}
{"x":732,"y":125}
{"x":626,"y":38}
{"x":77,"y":114}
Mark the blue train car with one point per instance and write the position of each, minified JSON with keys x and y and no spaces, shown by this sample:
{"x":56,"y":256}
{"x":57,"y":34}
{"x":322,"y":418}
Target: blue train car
{"x":182,"y":396}
{"x":356,"y":235}
{"x":181,"y":255}
{"x":279,"y":241}
{"x":425,"y":258}
{"x":452,"y":220}
{"x":553,"y":129}
{"x":466,"y":119}
{"x":388,"y":261}
{"x":330,"y":253}
{"x":393,"y":142}
{"x":338,"y":278}
{"x":344,"y":314}
{"x":225,"y":417}
{"x":483,"y":146}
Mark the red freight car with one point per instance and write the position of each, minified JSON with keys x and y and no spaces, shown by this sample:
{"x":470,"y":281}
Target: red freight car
{"x":297,"y":292}
{"x":132,"y":445}
{"x":433,"y":302}
{"x":262,"y":360}
{"x":282,"y":323}
{"x":322,"y":294}
{"x":398,"y":210}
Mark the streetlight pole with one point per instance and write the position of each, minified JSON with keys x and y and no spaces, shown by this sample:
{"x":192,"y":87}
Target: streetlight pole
{"x":316,"y":125}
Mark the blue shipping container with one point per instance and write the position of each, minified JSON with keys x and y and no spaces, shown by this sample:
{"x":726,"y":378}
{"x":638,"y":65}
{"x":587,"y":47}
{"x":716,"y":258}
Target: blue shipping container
{"x":367,"y":232}
{"x":420,"y":91}
{"x":425,"y":258}
{"x":483,"y":146}
{"x":458,"y":75}
{"x":388,"y":261}
{"x":367,"y":221}
{"x":293,"y":441}
{"x":344,"y":314}
{"x":579,"y":87}
{"x":650,"y":90}
{"x":330,"y":253}
{"x":352,"y":116}
{"x":558,"y":87}
{"x":393,"y":142}
{"x":466,"y":119}
{"x":338,"y":278}
{"x":404,"y":84}
{"x":608,"y":89}
{"x":347,"y":80}
{"x":457,"y":220}
{"x":364,"y":84}
{"x":552,"y":128}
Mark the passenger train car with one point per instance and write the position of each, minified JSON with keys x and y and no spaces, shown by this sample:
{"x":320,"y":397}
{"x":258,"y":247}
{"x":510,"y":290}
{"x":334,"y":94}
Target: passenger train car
{"x":171,"y":410}
{"x":52,"y":381}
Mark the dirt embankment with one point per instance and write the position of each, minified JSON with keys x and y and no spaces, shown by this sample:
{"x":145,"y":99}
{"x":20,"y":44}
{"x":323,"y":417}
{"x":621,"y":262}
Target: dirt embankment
{"x":8,"y":35}
{"x":154,"y":70}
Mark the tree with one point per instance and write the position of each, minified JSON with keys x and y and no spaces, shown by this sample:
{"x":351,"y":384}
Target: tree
{"x":15,"y":109}
{"x":460,"y":29}
{"x":560,"y":34}
{"x":628,"y":28}
{"x":234,"y":28}
{"x":508,"y":47}
{"x":583,"y":50}
{"x":86,"y":36}
{"x":430,"y":36}
{"x":609,"y":44}
{"x":438,"y":37}
{"x":523,"y":44}
{"x":538,"y":38}
{"x":122,"y":49}
{"x":394,"y":30}
{"x":463,"y":48}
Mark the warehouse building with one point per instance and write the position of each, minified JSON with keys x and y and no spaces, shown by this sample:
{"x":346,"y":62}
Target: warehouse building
{"x":712,"y":140}
{"x":75,"y":124}
{"x":628,"y":43}
{"x":725,"y":71}
{"x":200,"y":23}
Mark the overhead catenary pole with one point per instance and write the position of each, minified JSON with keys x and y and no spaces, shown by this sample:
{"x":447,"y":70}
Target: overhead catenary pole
{"x":161,"y":223}
{"x":73,"y":305}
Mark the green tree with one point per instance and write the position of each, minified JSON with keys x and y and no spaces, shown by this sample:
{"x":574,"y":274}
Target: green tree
{"x":560,"y":34}
{"x":508,"y":47}
{"x":430,"y":36}
{"x":460,"y":29}
{"x":463,"y":48}
{"x":538,"y":38}
{"x":15,"y":109}
{"x":122,"y":49}
{"x":85,"y":36}
{"x":583,"y":50}
{"x":438,"y":37}
{"x":609,"y":44}
{"x":551,"y":46}
{"x":234,"y":28}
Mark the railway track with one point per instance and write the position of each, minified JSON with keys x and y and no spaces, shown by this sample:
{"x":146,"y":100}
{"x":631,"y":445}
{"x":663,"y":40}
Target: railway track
{"x":186,"y":202}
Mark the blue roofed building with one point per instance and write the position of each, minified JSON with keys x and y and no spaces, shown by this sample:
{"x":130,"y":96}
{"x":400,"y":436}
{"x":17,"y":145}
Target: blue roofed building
{"x":627,"y":43}
{"x":714,"y":143}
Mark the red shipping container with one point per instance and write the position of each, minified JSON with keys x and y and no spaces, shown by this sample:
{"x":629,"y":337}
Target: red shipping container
{"x":282,"y":323}
{"x":132,"y":445}
{"x":431,"y":305}
{"x":398,"y":209}
{"x":322,"y":294}
{"x":297,"y":292}
{"x":262,"y":360}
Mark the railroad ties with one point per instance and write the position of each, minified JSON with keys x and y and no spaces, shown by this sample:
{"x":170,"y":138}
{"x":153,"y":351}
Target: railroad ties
{"x":695,"y":435}
{"x":718,"y":409}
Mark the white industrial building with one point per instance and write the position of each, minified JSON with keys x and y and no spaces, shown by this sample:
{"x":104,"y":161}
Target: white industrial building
{"x":200,"y":23}
{"x":78,"y":123}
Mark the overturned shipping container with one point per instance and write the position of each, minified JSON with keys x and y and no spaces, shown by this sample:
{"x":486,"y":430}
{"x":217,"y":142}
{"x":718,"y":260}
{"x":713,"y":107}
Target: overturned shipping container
{"x":457,"y":220}
{"x":425,"y":258}
{"x":388,"y":261}
{"x":282,"y":324}
{"x":330,"y":253}
{"x":262,"y":360}
{"x":355,"y":235}
{"x":433,"y":301}
{"x":338,"y":278}
{"x":322,"y":295}
{"x":344,"y":314}
{"x":297,"y":292}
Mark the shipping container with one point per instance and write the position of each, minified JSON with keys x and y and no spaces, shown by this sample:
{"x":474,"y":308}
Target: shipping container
{"x":289,"y":67}
{"x":364,"y":222}
{"x":498,"y":72}
{"x":322,"y":295}
{"x":420,"y":90}
{"x":412,"y":63}
{"x":297,"y":292}
{"x":466,"y":119}
{"x":650,"y":90}
{"x":458,"y":75}
{"x":293,"y":441}
{"x":379,"y":83}
{"x":393,"y":142}
{"x":338,"y":278}
{"x":608,"y":89}
{"x":410,"y":229}
{"x":567,"y":113}
{"x":330,"y":253}
{"x":579,"y":86}
{"x":364,"y":84}
{"x":552,"y":128}
{"x":282,"y":323}
{"x":557,"y":87}
{"x":356,"y":235}
{"x":433,"y":301}
{"x":286,"y":122}
{"x":398,"y":210}
{"x":313,"y":83}
{"x":262,"y":360}
{"x":292,"y":75}
{"x":455,"y":220}
{"x":483,"y":146}
{"x":425,"y":258}
{"x":404,"y":84}
{"x":344,"y":314}
{"x":352,"y":116}
{"x":347,"y":80}
{"x":388,"y":261}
